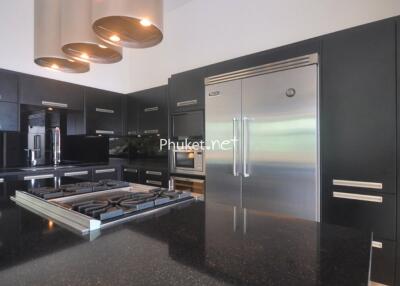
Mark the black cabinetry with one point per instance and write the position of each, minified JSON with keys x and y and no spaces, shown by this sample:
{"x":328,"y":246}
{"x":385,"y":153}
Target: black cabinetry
{"x":132,"y":114}
{"x":108,"y":172}
{"x":8,"y":86}
{"x":8,"y":116}
{"x":186,"y":90}
{"x":103,"y":112}
{"x":130,"y":174}
{"x":47,"y":92}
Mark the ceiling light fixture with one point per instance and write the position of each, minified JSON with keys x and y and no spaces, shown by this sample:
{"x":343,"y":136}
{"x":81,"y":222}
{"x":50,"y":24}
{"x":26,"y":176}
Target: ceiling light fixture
{"x":78,"y":38}
{"x":47,"y":51}
{"x":129,"y":23}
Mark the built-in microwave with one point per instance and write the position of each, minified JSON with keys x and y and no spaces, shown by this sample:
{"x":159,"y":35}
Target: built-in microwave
{"x":187,"y":160}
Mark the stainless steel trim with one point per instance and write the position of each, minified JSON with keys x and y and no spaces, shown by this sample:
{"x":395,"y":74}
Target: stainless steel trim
{"x":357,"y":184}
{"x":245,"y":148}
{"x":104,"y":132}
{"x":264,"y":69}
{"x":103,"y":171}
{"x":132,"y":132}
{"x":153,"y":182}
{"x":358,"y":197}
{"x":1,"y":180}
{"x":79,"y":173}
{"x":150,"y":109}
{"x":54,"y":104}
{"x":234,"y":171}
{"x":128,"y":170}
{"x":187,"y":103}
{"x":377,"y":244}
{"x":188,"y":179}
{"x":152,"y":131}
{"x":103,"y":110}
{"x":36,"y":177}
{"x":234,"y":219}
{"x":155,"y":173}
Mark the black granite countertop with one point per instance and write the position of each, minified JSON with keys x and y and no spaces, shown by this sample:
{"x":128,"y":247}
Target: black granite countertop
{"x":192,"y":245}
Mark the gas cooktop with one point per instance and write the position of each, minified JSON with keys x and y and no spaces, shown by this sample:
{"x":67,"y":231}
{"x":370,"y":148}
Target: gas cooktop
{"x":76,"y":189}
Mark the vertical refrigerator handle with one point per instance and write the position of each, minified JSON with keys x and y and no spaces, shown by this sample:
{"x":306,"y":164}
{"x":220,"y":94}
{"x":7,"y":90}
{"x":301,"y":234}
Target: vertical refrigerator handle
{"x":234,"y":167}
{"x":245,"y":147}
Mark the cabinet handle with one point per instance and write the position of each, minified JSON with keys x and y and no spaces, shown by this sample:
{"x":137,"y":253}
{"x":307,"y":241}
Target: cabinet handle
{"x":1,"y":180}
{"x":81,"y":173}
{"x":152,"y":131}
{"x":155,"y":173}
{"x":102,"y":171}
{"x":150,"y":109}
{"x":44,"y":176}
{"x":104,"y":132}
{"x":357,"y":184}
{"x":358,"y":197}
{"x":102,"y":110}
{"x":131,"y":170}
{"x":152,"y":182}
{"x":54,"y":104}
{"x":377,"y":244}
{"x":132,"y":132}
{"x":186,"y":103}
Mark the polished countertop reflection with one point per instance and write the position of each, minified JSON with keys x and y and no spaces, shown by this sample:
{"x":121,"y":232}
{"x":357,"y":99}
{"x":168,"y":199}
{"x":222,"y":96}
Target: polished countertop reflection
{"x":197,"y":244}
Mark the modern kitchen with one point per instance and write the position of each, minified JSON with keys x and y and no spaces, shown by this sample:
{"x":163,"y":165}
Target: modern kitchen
{"x":192,"y":142}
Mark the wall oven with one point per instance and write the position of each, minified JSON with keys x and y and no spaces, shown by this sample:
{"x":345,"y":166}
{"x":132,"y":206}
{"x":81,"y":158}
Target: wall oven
{"x":189,"y":161}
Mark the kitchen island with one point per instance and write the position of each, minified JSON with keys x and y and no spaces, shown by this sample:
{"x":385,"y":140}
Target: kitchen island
{"x":187,"y":245}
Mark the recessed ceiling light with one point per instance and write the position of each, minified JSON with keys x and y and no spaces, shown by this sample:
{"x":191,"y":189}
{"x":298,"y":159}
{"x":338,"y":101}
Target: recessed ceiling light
{"x":85,"y":56}
{"x":115,"y":38}
{"x":145,"y":22}
{"x":55,"y":66}
{"x":102,"y":46}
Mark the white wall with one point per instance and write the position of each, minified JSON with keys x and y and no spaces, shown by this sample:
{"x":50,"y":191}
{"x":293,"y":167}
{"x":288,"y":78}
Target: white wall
{"x":197,"y":33}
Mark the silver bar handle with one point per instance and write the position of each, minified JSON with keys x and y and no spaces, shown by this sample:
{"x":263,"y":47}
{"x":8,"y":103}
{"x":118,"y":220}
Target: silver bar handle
{"x":150,"y":109}
{"x":155,"y":173}
{"x":103,"y":171}
{"x":377,"y":244}
{"x":152,"y":131}
{"x":54,"y":104}
{"x":234,"y":171}
{"x":234,"y":219}
{"x":246,"y":173}
{"x":152,"y":182}
{"x":186,"y":103}
{"x":108,"y":132}
{"x":80,"y":173}
{"x":357,"y":184}
{"x":127,"y":170}
{"x":103,"y":110}
{"x":358,"y":197}
{"x":44,"y":176}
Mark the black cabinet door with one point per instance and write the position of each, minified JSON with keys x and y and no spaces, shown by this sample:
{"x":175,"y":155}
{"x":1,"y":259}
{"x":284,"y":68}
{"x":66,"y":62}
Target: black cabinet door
{"x":153,"y":111}
{"x":130,"y":174}
{"x":8,"y":116}
{"x":77,"y":173}
{"x":132,"y":114}
{"x":103,"y":112}
{"x":186,"y":90}
{"x":46,"y":92}
{"x":105,"y":173}
{"x":8,"y":86}
{"x":154,"y":177}
{"x":358,"y":107}
{"x":383,"y":262}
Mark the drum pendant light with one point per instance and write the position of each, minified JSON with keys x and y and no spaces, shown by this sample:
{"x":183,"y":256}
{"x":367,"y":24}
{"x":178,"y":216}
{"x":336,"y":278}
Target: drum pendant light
{"x":48,"y":52}
{"x":129,"y":23}
{"x":77,"y":37}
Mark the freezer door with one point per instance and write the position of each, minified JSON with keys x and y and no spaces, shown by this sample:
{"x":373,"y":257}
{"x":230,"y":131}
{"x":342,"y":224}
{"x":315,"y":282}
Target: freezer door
{"x":280,"y":143}
{"x":223,"y":123}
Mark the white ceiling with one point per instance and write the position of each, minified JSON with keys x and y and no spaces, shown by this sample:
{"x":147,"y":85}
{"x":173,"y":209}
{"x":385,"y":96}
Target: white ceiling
{"x":196,"y":33}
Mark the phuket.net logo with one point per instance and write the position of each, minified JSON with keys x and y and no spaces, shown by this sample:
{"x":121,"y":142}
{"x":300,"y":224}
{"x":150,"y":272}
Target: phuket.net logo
{"x":224,"y":145}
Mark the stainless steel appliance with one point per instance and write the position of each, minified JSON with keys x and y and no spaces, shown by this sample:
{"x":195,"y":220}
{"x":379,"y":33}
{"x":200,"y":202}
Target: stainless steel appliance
{"x":194,"y":185}
{"x":187,"y":160}
{"x":56,"y":144}
{"x":270,"y":115}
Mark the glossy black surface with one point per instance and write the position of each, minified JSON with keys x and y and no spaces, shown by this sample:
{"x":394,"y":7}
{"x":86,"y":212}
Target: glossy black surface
{"x":183,"y":246}
{"x":8,"y":86}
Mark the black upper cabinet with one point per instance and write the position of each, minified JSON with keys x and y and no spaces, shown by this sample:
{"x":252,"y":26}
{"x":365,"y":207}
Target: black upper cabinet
{"x":132,"y":114}
{"x":46,"y":92}
{"x":186,"y":90}
{"x":8,"y":86}
{"x":103,"y":110}
{"x":8,"y":116}
{"x":358,"y":107}
{"x":153,"y":110}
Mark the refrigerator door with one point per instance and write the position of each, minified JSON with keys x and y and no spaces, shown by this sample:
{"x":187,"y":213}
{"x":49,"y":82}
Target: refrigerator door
{"x":223,"y":123}
{"x":280,"y":143}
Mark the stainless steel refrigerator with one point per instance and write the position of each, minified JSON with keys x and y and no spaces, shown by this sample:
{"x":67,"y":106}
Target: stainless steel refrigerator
{"x":269,"y":117}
